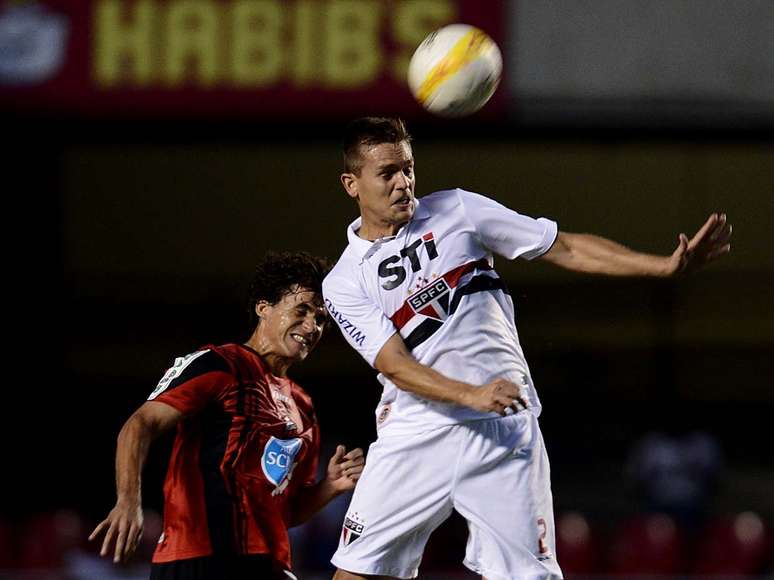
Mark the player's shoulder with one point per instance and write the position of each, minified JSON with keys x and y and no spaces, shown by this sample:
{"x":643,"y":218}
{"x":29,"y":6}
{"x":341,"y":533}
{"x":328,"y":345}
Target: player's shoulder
{"x":343,"y":271}
{"x":445,"y":201}
{"x":213,"y":358}
{"x":441,"y":199}
{"x":206,"y":360}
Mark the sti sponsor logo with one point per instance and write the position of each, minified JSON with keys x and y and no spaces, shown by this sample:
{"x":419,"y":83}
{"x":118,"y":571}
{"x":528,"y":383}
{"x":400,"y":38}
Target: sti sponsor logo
{"x":389,"y":267}
{"x":278,"y":461}
{"x":346,"y":326}
{"x":432,"y":300}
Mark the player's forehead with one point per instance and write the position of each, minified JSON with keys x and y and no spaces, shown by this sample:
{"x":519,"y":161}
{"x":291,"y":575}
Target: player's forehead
{"x":299,"y":296}
{"x":383,"y":155}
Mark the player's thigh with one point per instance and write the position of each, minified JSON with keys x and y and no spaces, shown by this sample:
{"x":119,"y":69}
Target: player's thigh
{"x":401,"y":497}
{"x":504,"y":492}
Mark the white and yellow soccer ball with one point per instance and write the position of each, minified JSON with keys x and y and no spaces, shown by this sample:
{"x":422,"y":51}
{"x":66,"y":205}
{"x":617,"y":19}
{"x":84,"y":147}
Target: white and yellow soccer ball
{"x":455,"y":70}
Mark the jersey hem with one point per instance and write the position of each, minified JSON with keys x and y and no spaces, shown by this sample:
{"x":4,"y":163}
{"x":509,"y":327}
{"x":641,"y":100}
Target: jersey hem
{"x":177,"y":556}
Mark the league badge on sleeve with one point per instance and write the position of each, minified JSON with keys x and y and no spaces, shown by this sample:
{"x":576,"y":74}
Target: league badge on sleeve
{"x":278,"y":461}
{"x":175,"y":371}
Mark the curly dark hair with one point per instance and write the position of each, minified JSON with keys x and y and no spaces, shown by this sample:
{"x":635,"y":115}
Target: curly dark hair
{"x":370,"y":131}
{"x":279,"y":273}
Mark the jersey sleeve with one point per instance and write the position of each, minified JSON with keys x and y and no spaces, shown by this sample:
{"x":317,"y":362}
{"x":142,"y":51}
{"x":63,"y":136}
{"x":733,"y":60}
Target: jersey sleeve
{"x":506,"y":232}
{"x":193,"y":381}
{"x":362,"y":322}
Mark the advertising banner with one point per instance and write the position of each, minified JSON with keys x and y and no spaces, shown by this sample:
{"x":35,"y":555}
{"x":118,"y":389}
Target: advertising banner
{"x":220,"y":59}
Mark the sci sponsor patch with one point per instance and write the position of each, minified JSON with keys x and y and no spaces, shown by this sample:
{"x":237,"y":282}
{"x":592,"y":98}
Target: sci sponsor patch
{"x":175,"y":371}
{"x":278,"y":460}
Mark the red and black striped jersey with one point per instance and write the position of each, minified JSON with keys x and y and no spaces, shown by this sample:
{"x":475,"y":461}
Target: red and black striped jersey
{"x":248,"y":443}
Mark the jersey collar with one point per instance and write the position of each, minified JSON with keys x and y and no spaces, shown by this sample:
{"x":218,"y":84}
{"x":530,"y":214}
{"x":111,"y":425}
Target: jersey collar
{"x":365,"y":248}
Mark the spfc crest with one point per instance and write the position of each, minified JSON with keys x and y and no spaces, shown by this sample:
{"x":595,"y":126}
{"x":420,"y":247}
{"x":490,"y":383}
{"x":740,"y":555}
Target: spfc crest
{"x":278,"y":458}
{"x":432,"y":300}
{"x":353,"y":528}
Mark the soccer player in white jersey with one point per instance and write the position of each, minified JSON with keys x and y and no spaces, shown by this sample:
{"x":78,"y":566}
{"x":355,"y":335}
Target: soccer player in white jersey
{"x":416,"y":294}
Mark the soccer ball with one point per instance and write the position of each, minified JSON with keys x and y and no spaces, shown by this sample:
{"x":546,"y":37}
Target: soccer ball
{"x":455,"y":70}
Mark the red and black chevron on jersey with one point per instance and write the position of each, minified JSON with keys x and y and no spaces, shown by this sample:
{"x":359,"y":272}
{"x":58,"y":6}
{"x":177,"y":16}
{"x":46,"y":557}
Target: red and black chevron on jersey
{"x":248,"y":443}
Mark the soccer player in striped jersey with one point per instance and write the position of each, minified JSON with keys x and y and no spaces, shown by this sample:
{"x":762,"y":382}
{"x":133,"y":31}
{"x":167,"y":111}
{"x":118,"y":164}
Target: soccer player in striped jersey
{"x":416,"y":294}
{"x":243,"y":467}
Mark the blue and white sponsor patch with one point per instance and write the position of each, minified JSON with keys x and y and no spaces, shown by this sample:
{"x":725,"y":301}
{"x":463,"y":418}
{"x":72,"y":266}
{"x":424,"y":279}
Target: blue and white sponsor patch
{"x":278,"y":460}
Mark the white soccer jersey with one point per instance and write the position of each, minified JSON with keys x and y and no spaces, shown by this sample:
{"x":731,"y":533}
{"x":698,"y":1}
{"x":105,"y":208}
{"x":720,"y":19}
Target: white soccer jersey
{"x":434,"y":283}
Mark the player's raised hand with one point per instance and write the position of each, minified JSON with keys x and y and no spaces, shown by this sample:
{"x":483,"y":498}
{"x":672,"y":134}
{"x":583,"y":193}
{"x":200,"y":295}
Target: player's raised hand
{"x":124,"y":523}
{"x":711,"y":241}
{"x":344,"y":468}
{"x":500,"y":396}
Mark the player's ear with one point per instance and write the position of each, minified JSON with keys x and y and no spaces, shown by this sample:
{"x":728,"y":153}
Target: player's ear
{"x":349,"y":181}
{"x":261,"y":308}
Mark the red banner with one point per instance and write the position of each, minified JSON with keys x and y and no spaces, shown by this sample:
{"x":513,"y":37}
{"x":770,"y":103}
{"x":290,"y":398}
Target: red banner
{"x":255,"y":59}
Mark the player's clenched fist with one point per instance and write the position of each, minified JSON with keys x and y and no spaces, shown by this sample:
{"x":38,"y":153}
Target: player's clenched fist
{"x":500,"y":396}
{"x":344,"y":469}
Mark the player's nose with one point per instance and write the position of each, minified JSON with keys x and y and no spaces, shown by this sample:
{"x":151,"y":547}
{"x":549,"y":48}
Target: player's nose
{"x":309,"y":325}
{"x":404,"y":181}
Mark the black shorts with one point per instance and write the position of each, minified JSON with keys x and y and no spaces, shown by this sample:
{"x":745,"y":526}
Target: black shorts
{"x":238,"y":567}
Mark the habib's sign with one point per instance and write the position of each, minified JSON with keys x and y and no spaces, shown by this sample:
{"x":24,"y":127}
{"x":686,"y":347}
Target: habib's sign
{"x":254,"y":58}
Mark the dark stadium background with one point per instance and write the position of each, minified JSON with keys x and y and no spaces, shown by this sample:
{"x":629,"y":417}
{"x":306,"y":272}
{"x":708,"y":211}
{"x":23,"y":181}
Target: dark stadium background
{"x":130,"y":237}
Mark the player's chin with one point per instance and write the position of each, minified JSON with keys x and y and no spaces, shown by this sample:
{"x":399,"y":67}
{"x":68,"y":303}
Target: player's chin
{"x":402,"y":212}
{"x":296,"y":350}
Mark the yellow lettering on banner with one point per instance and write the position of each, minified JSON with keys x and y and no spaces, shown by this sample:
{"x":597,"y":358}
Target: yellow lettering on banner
{"x":413,"y":21}
{"x":303,"y":65}
{"x":192,"y":42}
{"x":335,"y":44}
{"x":123,"y":48}
{"x":256,"y":51}
{"x":353,"y":52}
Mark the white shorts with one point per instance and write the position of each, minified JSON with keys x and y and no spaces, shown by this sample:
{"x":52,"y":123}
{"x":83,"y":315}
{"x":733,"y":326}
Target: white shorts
{"x":494,"y":472}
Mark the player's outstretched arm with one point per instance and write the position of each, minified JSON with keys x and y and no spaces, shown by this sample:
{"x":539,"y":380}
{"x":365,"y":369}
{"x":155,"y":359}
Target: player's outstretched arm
{"x":597,"y":255}
{"x":124,"y":523}
{"x":344,"y":469}
{"x":396,"y":363}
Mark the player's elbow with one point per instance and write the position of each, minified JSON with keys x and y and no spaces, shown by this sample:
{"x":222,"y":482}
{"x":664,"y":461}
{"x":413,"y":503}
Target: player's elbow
{"x":391,"y":365}
{"x":395,"y":361}
{"x":563,"y":250}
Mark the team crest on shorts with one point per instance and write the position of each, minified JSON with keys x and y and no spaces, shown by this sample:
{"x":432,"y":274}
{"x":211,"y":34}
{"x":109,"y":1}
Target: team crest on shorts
{"x":352,"y":529}
{"x":278,"y":461}
{"x":383,"y":414}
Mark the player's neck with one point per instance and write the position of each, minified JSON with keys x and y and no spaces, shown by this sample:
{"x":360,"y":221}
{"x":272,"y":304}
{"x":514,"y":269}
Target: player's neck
{"x":374,"y":230}
{"x":278,"y":365}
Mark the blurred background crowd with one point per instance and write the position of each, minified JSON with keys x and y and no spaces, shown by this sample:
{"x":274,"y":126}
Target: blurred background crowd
{"x":156,"y":148}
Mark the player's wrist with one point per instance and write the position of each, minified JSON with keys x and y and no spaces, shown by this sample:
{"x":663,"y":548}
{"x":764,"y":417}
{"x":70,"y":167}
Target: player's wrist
{"x":465,"y":395}
{"x":129,"y":499}
{"x":329,"y":488}
{"x":666,"y":267}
